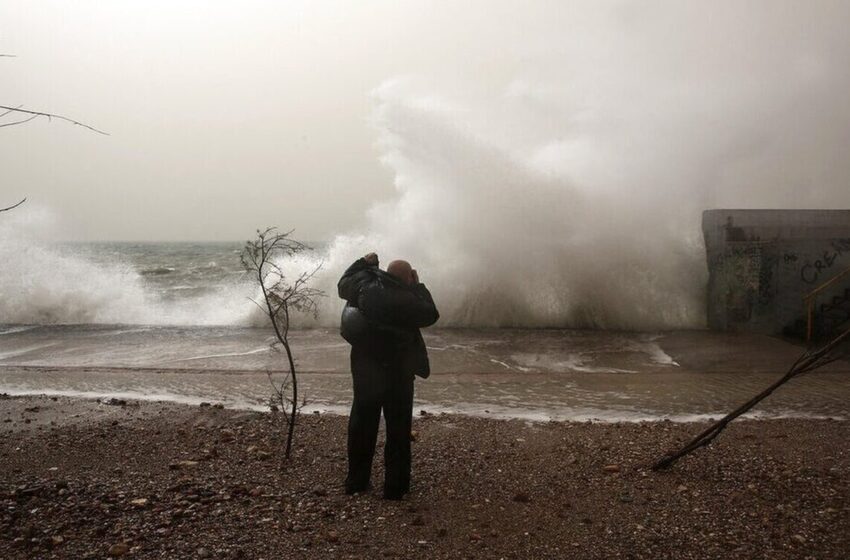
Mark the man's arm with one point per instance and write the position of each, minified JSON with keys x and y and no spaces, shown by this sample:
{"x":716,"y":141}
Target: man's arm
{"x":348,"y":286}
{"x":411,"y":308}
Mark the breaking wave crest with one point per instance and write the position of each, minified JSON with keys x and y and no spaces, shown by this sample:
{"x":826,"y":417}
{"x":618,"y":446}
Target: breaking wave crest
{"x":44,"y":283}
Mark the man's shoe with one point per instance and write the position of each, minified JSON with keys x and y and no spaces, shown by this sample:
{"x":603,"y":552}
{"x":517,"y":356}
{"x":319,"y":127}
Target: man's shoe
{"x":355,"y":489}
{"x":394,"y":494}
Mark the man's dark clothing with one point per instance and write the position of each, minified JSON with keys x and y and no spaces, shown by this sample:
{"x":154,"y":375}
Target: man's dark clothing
{"x":386,"y":353}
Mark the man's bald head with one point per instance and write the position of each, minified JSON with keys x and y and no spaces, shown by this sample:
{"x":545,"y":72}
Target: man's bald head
{"x":403,"y":271}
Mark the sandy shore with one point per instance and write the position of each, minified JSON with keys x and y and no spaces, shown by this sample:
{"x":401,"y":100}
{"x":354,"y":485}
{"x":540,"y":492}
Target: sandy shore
{"x":81,"y":479}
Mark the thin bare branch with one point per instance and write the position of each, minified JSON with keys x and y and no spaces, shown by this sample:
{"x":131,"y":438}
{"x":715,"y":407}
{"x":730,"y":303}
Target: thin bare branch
{"x":9,"y":111}
{"x":252,"y":300}
{"x":22,"y":121}
{"x":13,"y":206}
{"x":810,"y":360}
{"x":49,"y":116}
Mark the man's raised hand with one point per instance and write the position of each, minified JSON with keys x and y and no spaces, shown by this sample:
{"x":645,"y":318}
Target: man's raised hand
{"x":371,"y":259}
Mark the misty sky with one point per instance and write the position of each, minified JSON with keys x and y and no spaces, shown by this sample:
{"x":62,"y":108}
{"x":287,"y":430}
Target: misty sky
{"x":223,"y":116}
{"x":228,"y":116}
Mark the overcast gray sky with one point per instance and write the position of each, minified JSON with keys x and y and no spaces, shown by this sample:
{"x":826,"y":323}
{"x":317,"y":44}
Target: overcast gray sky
{"x":225,"y":116}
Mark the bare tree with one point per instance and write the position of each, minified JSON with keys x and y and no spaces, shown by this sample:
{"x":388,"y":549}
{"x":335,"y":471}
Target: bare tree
{"x":282,"y":297}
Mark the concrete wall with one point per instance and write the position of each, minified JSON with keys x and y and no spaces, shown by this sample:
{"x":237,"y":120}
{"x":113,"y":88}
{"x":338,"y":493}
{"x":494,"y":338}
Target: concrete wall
{"x":762,"y":262}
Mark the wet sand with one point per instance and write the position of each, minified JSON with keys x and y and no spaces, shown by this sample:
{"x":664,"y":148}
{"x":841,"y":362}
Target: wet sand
{"x":79,"y":479}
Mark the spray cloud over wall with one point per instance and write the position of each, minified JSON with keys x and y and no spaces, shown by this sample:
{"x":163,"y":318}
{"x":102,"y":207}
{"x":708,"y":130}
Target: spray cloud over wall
{"x":572,"y":196}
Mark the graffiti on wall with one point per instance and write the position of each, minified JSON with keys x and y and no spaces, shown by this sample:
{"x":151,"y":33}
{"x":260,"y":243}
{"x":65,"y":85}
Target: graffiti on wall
{"x":766,"y":284}
{"x":811,"y":271}
{"x":742,"y":264}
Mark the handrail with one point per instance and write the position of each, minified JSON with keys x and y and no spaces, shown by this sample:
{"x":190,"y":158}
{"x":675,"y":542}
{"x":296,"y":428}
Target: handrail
{"x":826,"y":284}
{"x":810,"y":301}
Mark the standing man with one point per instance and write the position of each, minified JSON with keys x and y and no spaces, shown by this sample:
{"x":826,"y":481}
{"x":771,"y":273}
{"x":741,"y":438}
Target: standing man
{"x":383,"y":314}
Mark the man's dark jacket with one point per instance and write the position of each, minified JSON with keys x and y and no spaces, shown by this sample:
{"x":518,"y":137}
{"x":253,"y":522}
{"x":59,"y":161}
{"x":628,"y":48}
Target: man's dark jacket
{"x":384,"y":316}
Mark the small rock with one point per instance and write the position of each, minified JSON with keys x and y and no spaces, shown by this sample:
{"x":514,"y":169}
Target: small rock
{"x":202,"y":553}
{"x":205,"y":404}
{"x":218,"y":405}
{"x":522,"y":497}
{"x":139,"y":502}
{"x":333,"y":536}
{"x":320,"y":491}
{"x":118,"y":549}
{"x":611,"y":468}
{"x":799,"y":538}
{"x":182,"y":465}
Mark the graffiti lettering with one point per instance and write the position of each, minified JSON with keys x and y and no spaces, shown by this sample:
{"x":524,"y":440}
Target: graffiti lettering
{"x":810,"y":272}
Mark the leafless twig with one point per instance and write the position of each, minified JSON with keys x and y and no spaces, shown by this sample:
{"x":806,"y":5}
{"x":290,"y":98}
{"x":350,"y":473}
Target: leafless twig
{"x":49,"y":116}
{"x":13,"y":206}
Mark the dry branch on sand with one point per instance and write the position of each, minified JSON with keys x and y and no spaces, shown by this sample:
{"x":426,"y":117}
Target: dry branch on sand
{"x":810,"y":360}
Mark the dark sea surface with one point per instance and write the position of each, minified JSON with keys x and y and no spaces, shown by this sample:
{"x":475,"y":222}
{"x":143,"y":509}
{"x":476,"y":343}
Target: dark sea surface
{"x":191,"y":335}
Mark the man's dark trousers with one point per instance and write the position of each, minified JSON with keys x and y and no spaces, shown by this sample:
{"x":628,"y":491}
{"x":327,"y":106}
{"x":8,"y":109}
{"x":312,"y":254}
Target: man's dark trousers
{"x":379,"y":384}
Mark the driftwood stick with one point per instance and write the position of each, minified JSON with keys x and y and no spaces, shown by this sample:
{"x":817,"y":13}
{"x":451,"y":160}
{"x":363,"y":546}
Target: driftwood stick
{"x":810,"y":360}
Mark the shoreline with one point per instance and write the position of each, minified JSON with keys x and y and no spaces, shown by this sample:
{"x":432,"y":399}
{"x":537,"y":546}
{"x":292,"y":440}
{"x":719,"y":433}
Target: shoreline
{"x":153,"y":479}
{"x":420,"y":409}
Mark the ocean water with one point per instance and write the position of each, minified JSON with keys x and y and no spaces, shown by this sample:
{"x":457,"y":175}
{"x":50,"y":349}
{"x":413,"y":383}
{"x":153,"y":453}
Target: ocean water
{"x":174,"y":271}
{"x":185,"y":331}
